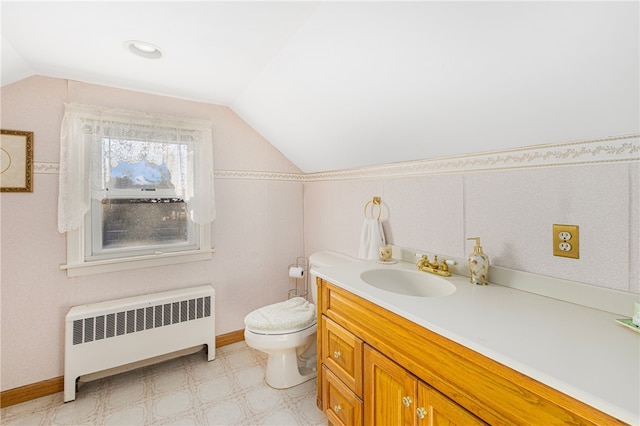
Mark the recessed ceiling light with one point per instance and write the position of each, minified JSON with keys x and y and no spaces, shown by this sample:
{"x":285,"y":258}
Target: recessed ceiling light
{"x":143,"y":49}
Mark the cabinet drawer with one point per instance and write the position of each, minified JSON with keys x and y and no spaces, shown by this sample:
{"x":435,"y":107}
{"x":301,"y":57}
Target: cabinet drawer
{"x":341,"y":405}
{"x":436,"y":409}
{"x":342,"y":354}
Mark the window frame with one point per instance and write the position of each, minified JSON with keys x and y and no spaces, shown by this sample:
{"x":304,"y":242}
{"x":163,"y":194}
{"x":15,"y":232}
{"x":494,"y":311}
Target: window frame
{"x":79,"y":264}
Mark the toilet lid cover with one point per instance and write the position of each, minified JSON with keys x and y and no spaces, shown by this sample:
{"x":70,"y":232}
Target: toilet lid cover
{"x":292,"y":314}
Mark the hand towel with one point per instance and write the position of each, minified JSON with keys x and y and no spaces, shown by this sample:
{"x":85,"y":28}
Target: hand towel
{"x":371,"y":238}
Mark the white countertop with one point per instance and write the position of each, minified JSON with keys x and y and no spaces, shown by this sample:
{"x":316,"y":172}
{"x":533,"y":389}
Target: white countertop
{"x":577,"y":350}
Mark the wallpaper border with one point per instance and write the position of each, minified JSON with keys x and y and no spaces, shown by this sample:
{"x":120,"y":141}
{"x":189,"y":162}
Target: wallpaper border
{"x":604,"y":150}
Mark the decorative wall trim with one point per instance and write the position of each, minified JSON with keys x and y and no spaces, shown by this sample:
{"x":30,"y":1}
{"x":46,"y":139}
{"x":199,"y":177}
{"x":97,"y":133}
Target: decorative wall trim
{"x":46,"y":168}
{"x":54,"y":168}
{"x":606,"y":150}
{"x":251,"y":175}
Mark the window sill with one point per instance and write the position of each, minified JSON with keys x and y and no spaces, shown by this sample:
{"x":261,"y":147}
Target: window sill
{"x":113,"y":265}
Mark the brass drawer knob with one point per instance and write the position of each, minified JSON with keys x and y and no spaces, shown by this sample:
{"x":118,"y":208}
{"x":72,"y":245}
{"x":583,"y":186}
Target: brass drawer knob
{"x":336,"y":354}
{"x":406,"y":401}
{"x":337,"y":408}
{"x":421,"y":412}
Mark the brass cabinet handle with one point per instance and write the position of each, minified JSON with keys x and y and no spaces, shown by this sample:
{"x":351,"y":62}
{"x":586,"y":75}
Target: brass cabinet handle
{"x":336,"y":354}
{"x":406,"y":401}
{"x":337,"y":408}
{"x":421,"y":412}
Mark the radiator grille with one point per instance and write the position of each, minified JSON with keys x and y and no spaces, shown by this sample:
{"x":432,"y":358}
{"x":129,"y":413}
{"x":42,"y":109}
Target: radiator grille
{"x":136,"y":320}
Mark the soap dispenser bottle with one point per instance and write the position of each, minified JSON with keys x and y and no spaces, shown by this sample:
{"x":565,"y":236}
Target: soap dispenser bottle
{"x":478,"y":264}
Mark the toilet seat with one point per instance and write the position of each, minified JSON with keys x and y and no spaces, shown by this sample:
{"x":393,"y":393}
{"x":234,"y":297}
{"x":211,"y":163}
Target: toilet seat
{"x":290,"y":316}
{"x":287,"y":332}
{"x":279,"y":332}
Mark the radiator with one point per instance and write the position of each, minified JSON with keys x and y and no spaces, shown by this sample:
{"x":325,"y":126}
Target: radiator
{"x":105,"y":335}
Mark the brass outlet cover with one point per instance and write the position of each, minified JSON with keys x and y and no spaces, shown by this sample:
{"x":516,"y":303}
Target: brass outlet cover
{"x":566,"y":241}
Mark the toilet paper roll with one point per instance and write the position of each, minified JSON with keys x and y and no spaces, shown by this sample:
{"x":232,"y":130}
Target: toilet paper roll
{"x":296,"y":272}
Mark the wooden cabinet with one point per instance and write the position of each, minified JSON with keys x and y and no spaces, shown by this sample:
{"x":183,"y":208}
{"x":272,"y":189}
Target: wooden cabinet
{"x":371,"y":358}
{"x":341,"y":405}
{"x":435,"y":409}
{"x":341,"y":366}
{"x":342,"y":354}
{"x":393,"y":396}
{"x":390,"y":391}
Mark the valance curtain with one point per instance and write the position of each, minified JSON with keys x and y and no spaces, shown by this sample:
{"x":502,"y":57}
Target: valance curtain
{"x":90,"y":134}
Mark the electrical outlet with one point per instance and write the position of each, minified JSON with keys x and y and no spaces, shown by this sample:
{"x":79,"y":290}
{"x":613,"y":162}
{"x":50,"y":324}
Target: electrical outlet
{"x":565,"y":246}
{"x":566,"y":241}
{"x":564,"y":235}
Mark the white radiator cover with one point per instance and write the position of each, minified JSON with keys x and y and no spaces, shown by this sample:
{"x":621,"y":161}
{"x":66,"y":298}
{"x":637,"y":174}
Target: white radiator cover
{"x":105,"y":335}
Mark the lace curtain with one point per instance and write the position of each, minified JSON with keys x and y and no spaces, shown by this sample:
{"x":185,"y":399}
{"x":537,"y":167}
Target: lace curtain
{"x":94,"y":140}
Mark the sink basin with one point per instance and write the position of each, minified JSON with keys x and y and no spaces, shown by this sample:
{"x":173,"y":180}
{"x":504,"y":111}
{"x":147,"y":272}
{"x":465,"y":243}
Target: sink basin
{"x":410,"y":283}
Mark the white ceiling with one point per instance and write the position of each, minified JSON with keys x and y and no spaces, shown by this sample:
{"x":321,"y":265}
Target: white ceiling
{"x":337,"y":85}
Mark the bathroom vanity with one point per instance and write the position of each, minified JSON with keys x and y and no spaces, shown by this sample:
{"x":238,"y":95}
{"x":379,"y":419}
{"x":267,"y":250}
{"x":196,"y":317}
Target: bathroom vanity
{"x":482,"y":355}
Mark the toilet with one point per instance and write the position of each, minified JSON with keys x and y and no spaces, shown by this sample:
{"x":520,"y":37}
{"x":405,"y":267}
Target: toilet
{"x":286,"y":331}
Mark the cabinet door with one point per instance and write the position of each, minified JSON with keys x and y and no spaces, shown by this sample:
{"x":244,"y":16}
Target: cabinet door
{"x":341,"y":405}
{"x":342,"y":354}
{"x":435,"y":409}
{"x":389,"y":391}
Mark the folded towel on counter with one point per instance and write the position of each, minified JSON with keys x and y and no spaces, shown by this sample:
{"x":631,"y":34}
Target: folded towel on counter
{"x":371,"y":238}
{"x":292,"y":314}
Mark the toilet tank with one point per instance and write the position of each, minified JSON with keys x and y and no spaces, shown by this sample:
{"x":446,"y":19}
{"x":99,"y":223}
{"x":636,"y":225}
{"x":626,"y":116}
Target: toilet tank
{"x":323,"y":259}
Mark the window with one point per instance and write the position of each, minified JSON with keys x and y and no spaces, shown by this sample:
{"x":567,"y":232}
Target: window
{"x":135,"y":190}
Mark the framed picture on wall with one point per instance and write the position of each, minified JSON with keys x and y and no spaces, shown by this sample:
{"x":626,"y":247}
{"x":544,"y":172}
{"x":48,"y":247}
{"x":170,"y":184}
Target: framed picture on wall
{"x":16,"y":161}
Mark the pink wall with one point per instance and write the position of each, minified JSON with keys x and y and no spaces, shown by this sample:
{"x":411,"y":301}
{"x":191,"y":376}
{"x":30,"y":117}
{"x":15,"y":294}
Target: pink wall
{"x":512,"y":206}
{"x":265,"y":207}
{"x":257,"y":234}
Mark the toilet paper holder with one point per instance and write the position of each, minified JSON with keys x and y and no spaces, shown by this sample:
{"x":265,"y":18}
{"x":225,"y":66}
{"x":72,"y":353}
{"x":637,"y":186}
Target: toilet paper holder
{"x":299,"y":272}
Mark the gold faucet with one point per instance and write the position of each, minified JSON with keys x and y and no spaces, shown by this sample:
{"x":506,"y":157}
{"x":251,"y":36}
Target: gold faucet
{"x":434,"y":267}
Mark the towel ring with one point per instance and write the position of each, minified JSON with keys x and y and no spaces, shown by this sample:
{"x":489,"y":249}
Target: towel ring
{"x":374,"y":202}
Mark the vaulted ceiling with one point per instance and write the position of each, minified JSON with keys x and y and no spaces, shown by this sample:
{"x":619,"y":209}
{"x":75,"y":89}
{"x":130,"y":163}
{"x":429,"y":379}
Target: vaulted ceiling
{"x":337,"y":85}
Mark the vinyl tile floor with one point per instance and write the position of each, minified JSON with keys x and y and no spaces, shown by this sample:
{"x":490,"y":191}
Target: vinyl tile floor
{"x":190,"y":390}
